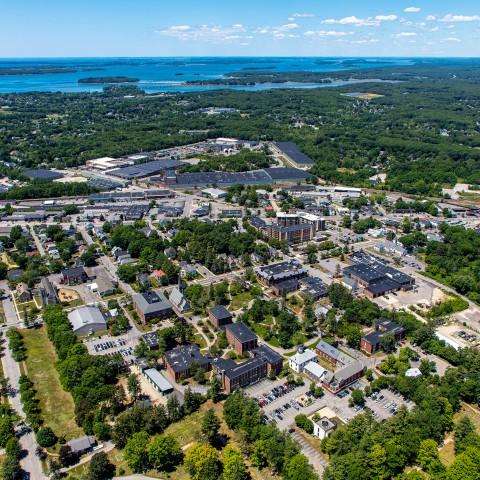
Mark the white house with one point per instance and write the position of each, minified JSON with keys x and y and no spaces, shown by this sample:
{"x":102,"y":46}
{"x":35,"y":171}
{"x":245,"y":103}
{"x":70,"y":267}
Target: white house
{"x":301,"y":358}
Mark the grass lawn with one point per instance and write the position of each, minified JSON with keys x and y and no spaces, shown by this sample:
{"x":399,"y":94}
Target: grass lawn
{"x":56,"y":404}
{"x":200,"y":341}
{"x":241,"y":300}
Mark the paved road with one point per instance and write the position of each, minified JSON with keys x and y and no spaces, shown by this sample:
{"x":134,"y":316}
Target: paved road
{"x":30,"y":463}
{"x":37,"y":241}
{"x":9,"y":310}
{"x":107,"y":263}
{"x":314,"y":458}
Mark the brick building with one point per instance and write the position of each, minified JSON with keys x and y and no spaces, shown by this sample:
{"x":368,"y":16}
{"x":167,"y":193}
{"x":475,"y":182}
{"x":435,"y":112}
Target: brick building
{"x":371,"y":342}
{"x":219,"y":316}
{"x":241,"y":337}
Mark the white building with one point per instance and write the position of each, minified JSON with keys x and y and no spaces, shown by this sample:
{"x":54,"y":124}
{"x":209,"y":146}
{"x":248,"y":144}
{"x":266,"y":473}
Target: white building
{"x":214,"y":193}
{"x":314,"y":371}
{"x":323,"y":428}
{"x":87,"y":320}
{"x":300,"y":359}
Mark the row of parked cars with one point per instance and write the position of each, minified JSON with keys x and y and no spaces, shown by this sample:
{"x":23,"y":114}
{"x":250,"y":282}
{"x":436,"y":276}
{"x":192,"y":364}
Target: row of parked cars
{"x":275,"y":393}
{"x":100,"y":347}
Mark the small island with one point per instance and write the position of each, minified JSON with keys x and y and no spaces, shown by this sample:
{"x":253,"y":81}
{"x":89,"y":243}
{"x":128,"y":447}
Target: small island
{"x":108,"y":80}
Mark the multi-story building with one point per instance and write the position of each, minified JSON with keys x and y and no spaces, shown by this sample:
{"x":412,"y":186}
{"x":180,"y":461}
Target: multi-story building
{"x":372,"y":341}
{"x":301,"y":358}
{"x":301,"y":218}
{"x":274,"y":360}
{"x":276,"y":273}
{"x":180,"y":360}
{"x":152,"y":305}
{"x":345,"y":376}
{"x":219,"y":316}
{"x":332,"y":354}
{"x":291,"y":233}
{"x":241,"y":337}
{"x":244,"y":374}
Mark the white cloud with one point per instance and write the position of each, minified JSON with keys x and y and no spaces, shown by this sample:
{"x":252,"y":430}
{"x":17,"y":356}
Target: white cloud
{"x":302,"y":15}
{"x":205,"y":33}
{"x":430,"y":18}
{"x":386,"y":18}
{"x":460,"y":18}
{"x":326,"y":33}
{"x":451,"y":39}
{"x":180,"y":28}
{"x":353,"y":20}
{"x":405,"y":34}
{"x":361,"y":22}
{"x":412,"y":10}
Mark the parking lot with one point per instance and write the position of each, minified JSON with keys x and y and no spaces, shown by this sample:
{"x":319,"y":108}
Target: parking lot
{"x":109,"y":345}
{"x":386,"y":403}
{"x":281,"y":405}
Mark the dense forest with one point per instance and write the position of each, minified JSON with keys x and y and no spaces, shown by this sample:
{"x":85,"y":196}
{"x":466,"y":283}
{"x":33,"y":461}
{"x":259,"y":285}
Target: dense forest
{"x":422,"y":131}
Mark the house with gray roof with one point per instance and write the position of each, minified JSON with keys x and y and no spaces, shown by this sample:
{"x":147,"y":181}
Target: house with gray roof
{"x":179,"y":301}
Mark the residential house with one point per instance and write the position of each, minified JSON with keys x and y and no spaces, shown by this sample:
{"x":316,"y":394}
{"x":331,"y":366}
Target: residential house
{"x":23,"y":292}
{"x":74,"y":276}
{"x":179,"y":301}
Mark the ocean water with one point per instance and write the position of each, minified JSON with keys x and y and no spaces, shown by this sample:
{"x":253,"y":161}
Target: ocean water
{"x":170,"y":74}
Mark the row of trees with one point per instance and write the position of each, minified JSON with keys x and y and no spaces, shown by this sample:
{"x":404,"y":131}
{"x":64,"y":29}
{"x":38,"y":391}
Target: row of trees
{"x":92,"y":380}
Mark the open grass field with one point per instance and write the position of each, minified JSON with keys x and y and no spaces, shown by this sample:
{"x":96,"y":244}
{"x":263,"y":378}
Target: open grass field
{"x":56,"y":404}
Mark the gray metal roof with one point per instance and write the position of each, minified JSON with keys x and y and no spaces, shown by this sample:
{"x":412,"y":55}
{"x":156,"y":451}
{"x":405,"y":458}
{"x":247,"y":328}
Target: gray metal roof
{"x":151,"y":302}
{"x":154,"y":375}
{"x":86,"y":316}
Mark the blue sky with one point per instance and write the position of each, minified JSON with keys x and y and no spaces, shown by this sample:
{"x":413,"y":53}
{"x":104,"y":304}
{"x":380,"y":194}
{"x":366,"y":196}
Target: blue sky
{"x":34,"y":28}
